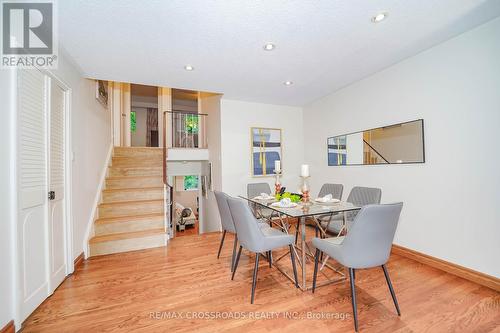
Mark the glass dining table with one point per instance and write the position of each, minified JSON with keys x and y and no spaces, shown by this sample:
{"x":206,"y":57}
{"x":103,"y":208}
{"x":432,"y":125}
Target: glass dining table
{"x":320,"y":214}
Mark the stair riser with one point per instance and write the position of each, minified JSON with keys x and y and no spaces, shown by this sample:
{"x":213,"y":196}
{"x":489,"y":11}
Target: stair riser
{"x":136,"y":162}
{"x":119,"y":195}
{"x":124,"y":171}
{"x":125,"y":245}
{"x":134,"y":183}
{"x":133,"y":208}
{"x":128,"y":226}
{"x":137,"y":152}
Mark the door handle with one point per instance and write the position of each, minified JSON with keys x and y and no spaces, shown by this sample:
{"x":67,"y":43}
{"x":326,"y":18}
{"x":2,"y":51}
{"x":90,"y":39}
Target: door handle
{"x":52,"y":195}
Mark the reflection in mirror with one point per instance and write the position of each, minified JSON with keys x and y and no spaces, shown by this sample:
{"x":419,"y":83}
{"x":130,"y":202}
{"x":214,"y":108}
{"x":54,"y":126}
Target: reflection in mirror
{"x":394,"y":144}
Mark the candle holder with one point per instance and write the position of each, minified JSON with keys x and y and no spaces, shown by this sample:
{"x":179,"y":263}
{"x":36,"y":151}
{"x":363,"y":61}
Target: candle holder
{"x":277,"y":184}
{"x":305,"y":191}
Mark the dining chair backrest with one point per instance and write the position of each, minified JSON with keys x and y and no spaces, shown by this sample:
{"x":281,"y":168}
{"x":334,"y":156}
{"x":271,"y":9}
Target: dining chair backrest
{"x":247,"y":229}
{"x":369,"y":240}
{"x":225,"y":214}
{"x":334,"y":189}
{"x":362,"y":196}
{"x":256,"y":189}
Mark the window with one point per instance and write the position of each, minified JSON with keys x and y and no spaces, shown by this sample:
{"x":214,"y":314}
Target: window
{"x":190,"y":183}
{"x":192,"y":123}
{"x":133,"y":122}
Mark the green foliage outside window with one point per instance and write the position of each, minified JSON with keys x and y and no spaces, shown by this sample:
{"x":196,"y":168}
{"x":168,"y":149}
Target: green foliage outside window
{"x":133,"y":122}
{"x":190,"y":183}
{"x":192,"y":124}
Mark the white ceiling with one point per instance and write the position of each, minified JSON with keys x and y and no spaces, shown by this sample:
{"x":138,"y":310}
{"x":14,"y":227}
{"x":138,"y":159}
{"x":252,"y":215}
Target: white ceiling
{"x":322,"y":45}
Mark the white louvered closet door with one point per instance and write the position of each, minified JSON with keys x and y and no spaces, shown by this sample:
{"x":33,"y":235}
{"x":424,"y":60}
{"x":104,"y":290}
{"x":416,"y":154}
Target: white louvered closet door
{"x":57,"y":253}
{"x":32,"y":182}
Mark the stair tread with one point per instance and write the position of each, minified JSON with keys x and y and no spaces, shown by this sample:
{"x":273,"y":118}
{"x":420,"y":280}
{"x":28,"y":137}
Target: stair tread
{"x":130,"y":189}
{"x":126,"y":235}
{"x":128,"y":177}
{"x":135,"y":167}
{"x":144,"y":157}
{"x":104,"y":220}
{"x":128,"y":202}
{"x":138,"y":148}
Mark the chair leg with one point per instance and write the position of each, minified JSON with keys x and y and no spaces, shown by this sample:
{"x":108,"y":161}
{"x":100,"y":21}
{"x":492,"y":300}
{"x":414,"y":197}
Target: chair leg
{"x":270,"y":258}
{"x":393,"y":294}
{"x":353,"y":299}
{"x":236,"y":262}
{"x":221,"y":242}
{"x":315,"y":274}
{"x":294,"y":266}
{"x":254,"y":281}
{"x":296,"y":233}
{"x":233,"y":257}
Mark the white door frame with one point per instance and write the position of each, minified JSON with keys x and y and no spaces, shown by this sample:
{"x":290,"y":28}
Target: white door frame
{"x":200,"y":204}
{"x":68,"y":158}
{"x":15,"y":187}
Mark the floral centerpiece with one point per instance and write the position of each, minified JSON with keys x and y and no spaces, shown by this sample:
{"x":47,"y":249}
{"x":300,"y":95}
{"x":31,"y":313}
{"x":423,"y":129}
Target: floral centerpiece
{"x":292,"y":196}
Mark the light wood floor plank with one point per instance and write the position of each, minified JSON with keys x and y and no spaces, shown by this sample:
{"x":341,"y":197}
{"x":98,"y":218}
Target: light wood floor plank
{"x":119,"y":293}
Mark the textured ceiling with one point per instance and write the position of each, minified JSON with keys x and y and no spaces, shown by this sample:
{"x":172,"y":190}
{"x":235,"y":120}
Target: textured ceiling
{"x":322,"y":45}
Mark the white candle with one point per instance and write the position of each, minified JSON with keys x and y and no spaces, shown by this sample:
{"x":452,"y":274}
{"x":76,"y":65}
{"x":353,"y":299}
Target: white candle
{"x":304,"y":170}
{"x":277,"y":166}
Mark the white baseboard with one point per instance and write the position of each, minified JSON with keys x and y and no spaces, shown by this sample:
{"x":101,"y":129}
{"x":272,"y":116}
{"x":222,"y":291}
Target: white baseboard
{"x":89,"y":232}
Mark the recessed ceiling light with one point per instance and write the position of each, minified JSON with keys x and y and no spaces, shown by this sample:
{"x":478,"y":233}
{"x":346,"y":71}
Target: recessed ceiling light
{"x":269,"y":46}
{"x":188,"y":67}
{"x":288,"y":83}
{"x":379,"y":17}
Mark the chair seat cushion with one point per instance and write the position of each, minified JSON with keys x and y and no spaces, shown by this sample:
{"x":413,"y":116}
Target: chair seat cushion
{"x":330,"y":246}
{"x":263,"y":224}
{"x":273,"y":239}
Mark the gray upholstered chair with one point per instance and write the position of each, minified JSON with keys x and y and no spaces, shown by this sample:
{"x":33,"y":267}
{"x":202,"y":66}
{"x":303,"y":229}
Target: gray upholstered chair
{"x":226,"y":221}
{"x":359,"y":196}
{"x":255,"y":189}
{"x":255,"y":239}
{"x":367,"y":244}
{"x":336,"y":191}
{"x":228,"y":224}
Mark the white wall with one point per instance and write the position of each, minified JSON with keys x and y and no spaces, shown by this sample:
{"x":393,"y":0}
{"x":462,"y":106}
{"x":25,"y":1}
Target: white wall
{"x":185,"y":198}
{"x":6,"y":209}
{"x":211,"y":105}
{"x":91,"y":140}
{"x":237,"y":118}
{"x":450,"y":202}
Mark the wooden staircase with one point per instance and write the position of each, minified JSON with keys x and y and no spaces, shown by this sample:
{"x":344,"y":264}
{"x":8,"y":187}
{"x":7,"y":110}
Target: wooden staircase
{"x":130,"y":216}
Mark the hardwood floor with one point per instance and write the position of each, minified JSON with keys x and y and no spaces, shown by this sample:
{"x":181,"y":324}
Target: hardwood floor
{"x":189,"y":231}
{"x":134,"y":291}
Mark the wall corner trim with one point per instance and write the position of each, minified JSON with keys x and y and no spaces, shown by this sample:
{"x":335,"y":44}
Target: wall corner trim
{"x":448,"y":267}
{"x":79,"y":260}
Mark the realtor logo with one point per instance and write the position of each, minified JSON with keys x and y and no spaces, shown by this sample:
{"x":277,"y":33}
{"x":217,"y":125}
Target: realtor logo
{"x":28,"y":34}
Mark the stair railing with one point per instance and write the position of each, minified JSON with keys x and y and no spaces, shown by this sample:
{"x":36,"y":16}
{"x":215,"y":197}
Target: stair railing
{"x":376,"y":152}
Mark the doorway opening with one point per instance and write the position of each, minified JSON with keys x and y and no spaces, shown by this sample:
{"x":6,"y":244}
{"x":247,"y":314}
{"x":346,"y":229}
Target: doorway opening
{"x":144,"y":116}
{"x":186,"y":204}
{"x":185,"y":119}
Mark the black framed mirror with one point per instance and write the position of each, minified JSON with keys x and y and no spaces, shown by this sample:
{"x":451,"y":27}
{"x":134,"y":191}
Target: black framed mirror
{"x":401,"y":143}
